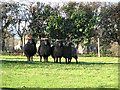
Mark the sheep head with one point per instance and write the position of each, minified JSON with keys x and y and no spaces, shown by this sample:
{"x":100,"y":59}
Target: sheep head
{"x":45,"y":41}
{"x":59,"y":43}
{"x":31,"y":41}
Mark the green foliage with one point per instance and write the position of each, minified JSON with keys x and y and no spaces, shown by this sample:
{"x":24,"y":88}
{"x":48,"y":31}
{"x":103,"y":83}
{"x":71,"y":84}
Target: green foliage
{"x":69,"y":8}
{"x":91,"y":72}
{"x":81,"y":21}
{"x":38,"y":23}
{"x":55,"y":27}
{"x":91,"y":53}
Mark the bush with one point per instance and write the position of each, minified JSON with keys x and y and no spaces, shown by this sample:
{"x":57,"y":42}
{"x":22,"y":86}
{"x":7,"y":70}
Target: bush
{"x":91,"y":54}
{"x":114,"y":49}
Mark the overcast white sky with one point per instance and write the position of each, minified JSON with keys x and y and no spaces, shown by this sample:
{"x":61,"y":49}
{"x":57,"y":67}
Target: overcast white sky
{"x":53,"y":1}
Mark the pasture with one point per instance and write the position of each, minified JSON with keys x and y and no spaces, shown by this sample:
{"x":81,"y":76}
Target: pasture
{"x":91,"y":72}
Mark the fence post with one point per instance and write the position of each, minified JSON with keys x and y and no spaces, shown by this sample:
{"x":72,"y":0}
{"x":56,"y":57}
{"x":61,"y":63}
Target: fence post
{"x":13,"y":43}
{"x":98,"y":47}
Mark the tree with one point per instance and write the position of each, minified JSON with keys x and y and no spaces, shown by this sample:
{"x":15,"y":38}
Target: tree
{"x":21,"y":17}
{"x":7,"y":16}
{"x":75,"y":22}
{"x":55,"y":27}
{"x":68,"y":9}
{"x":114,"y":22}
{"x":107,"y":27}
{"x":81,"y":18}
{"x":38,"y":18}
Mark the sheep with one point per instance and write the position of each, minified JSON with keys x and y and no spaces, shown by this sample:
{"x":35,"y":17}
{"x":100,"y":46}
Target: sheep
{"x":69,"y":51}
{"x":74,"y":53}
{"x":30,"y":48}
{"x":57,"y":51}
{"x":44,"y":49}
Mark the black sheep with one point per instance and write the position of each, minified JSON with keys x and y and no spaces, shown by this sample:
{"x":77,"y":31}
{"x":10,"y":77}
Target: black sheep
{"x":57,"y":51}
{"x":30,"y":48}
{"x":74,"y":53}
{"x":44,"y":50}
{"x":69,"y":52}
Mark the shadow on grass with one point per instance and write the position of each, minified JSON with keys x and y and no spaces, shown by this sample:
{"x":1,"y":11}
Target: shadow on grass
{"x":18,"y":58}
{"x":88,"y":63}
{"x":50,"y":62}
{"x":20,"y":62}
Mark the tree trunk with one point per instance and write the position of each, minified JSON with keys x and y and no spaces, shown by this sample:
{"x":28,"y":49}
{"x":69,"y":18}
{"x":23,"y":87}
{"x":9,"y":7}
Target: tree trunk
{"x":8,"y":48}
{"x":88,"y":46}
{"x":24,"y":32}
{"x":3,"y":44}
{"x":21,"y":44}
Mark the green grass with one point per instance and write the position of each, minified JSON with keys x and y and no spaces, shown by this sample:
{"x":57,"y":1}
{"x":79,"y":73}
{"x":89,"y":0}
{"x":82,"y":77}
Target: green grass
{"x":91,"y":72}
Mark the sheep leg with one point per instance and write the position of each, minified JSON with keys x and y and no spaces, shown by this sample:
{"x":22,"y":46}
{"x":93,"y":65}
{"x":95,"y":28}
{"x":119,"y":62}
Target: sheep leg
{"x":28,"y":58}
{"x":40,"y":58}
{"x":60,"y":60}
{"x":70,"y":60}
{"x":66,"y":60}
{"x":76,"y":61}
{"x":56,"y":60}
{"x":47,"y":59}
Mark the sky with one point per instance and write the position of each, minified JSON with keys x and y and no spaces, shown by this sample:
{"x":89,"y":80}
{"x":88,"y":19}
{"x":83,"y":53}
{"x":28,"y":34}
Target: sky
{"x":58,"y":1}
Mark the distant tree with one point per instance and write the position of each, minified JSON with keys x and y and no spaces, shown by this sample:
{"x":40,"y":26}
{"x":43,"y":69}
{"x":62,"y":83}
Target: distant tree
{"x":114,"y":22}
{"x":107,"y":27}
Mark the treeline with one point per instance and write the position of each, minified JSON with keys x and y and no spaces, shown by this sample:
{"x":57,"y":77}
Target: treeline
{"x":77,"y":22}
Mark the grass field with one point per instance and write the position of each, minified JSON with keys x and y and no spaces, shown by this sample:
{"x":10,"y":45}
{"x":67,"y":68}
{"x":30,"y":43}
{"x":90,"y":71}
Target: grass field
{"x":91,"y":72}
